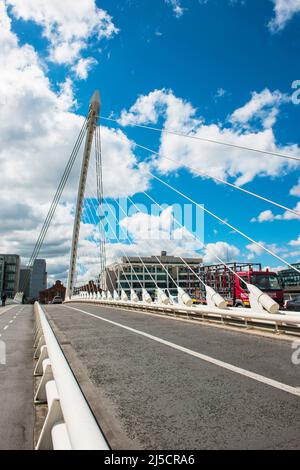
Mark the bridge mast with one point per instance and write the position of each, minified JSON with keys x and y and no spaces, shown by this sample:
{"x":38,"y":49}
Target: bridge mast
{"x":94,"y":113}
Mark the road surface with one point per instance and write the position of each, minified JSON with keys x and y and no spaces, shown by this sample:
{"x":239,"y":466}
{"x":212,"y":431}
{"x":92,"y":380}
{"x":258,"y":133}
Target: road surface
{"x":164,"y":385}
{"x":16,"y":378}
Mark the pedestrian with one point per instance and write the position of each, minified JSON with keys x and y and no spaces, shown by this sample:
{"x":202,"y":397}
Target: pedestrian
{"x":3,"y":298}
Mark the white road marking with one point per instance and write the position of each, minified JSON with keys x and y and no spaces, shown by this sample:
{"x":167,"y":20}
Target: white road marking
{"x":6,"y":309}
{"x":11,"y":321}
{"x":203,"y":357}
{"x":5,"y":328}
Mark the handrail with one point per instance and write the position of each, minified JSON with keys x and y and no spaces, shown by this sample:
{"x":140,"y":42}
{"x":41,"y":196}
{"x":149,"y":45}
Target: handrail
{"x":232,"y":312}
{"x":82,"y":429}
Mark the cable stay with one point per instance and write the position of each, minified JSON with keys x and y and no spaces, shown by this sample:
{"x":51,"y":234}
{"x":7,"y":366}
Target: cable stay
{"x":224,"y":222}
{"x":54,"y":204}
{"x":232,"y":185}
{"x":204,"y":139}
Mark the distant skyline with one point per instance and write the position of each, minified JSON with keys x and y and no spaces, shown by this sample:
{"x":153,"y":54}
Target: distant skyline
{"x":221,"y":69}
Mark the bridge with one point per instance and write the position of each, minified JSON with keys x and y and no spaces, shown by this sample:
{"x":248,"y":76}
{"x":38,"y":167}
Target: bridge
{"x":118,"y":366}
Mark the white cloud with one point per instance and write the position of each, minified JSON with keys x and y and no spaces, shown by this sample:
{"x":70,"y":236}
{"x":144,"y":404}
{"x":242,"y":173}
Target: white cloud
{"x":295,"y":242}
{"x":177,"y":7}
{"x":295,"y":190}
{"x":221,"y":250}
{"x":220,"y":94}
{"x":68,"y":25}
{"x":263,"y":106}
{"x":256,"y":250}
{"x":38,"y":129}
{"x":284,"y":10}
{"x":265,"y":216}
{"x":83,"y":66}
{"x":268,"y":216}
{"x":223,"y":162}
{"x":150,"y":234}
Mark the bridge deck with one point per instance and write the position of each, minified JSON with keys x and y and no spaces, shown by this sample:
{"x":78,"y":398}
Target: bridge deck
{"x":166,"y":398}
{"x":16,"y":378}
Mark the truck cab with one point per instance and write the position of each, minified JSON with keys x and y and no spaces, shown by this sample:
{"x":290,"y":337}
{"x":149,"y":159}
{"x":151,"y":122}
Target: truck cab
{"x":229,"y":281}
{"x":268,"y":282}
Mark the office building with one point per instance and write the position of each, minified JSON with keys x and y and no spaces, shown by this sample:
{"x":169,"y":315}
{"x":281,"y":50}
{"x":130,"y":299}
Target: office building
{"x":149,"y":272}
{"x":290,"y":278}
{"x":9,"y":274}
{"x":2,"y":265}
{"x":38,"y":281}
{"x":25,"y":279}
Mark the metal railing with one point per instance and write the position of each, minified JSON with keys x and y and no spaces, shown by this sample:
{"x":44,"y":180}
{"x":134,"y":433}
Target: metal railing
{"x":69,"y":423}
{"x":281,"y":321}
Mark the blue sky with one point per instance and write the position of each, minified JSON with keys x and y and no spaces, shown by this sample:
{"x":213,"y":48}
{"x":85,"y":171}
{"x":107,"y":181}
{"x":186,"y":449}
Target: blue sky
{"x":212,"y":54}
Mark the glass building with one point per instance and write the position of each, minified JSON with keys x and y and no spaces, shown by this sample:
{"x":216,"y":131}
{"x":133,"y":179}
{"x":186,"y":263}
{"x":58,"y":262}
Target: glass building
{"x":9,"y":274}
{"x":148,"y":272}
{"x":290,"y":278}
{"x":38,"y":281}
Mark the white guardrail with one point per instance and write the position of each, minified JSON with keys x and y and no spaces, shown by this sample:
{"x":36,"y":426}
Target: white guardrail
{"x":204,"y":312}
{"x":69,"y":424}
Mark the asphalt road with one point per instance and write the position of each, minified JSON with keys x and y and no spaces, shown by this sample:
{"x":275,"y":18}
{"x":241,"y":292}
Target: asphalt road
{"x":16,"y":378}
{"x":176,"y":395}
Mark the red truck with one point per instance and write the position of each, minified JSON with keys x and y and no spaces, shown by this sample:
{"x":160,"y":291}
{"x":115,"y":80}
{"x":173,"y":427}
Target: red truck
{"x":230,"y":286}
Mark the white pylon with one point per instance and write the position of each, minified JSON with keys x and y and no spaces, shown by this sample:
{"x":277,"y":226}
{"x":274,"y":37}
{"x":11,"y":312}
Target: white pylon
{"x":124,"y":296}
{"x":94,"y":113}
{"x":213,"y":299}
{"x":162,"y":297}
{"x":261,"y":301}
{"x":133,"y":296}
{"x":109,"y":296}
{"x":184,"y":298}
{"x":146,"y":297}
{"x":116,"y":295}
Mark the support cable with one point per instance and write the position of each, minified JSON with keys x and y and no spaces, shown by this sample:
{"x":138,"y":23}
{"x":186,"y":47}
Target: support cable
{"x":224,"y":222}
{"x":220,"y":180}
{"x":54,"y":203}
{"x":204,"y":139}
{"x":129,"y":283}
{"x":154,"y":255}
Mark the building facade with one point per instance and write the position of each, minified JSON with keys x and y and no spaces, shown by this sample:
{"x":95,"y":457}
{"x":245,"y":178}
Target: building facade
{"x":38,"y":281}
{"x":2,"y":265}
{"x":290,"y":278}
{"x":25,"y":280}
{"x":9,"y":274}
{"x":164,"y":272}
{"x":47,"y":295}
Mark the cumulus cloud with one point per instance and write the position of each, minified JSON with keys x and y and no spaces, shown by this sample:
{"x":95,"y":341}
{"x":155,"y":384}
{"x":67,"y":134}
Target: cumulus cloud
{"x":268,"y":216}
{"x":83,"y":66}
{"x":263,"y":106}
{"x":284,"y":10}
{"x":67,"y":25}
{"x":256,"y":250}
{"x":221,"y":250}
{"x":175,"y":114}
{"x":295,"y":242}
{"x":38,"y":129}
{"x":295,"y":190}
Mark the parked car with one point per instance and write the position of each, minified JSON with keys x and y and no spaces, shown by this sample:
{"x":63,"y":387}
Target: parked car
{"x":57,"y":300}
{"x":293,"y":305}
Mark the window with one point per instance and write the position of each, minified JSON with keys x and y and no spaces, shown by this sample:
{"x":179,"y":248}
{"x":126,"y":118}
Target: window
{"x":265,"y":281}
{"x":242,"y":284}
